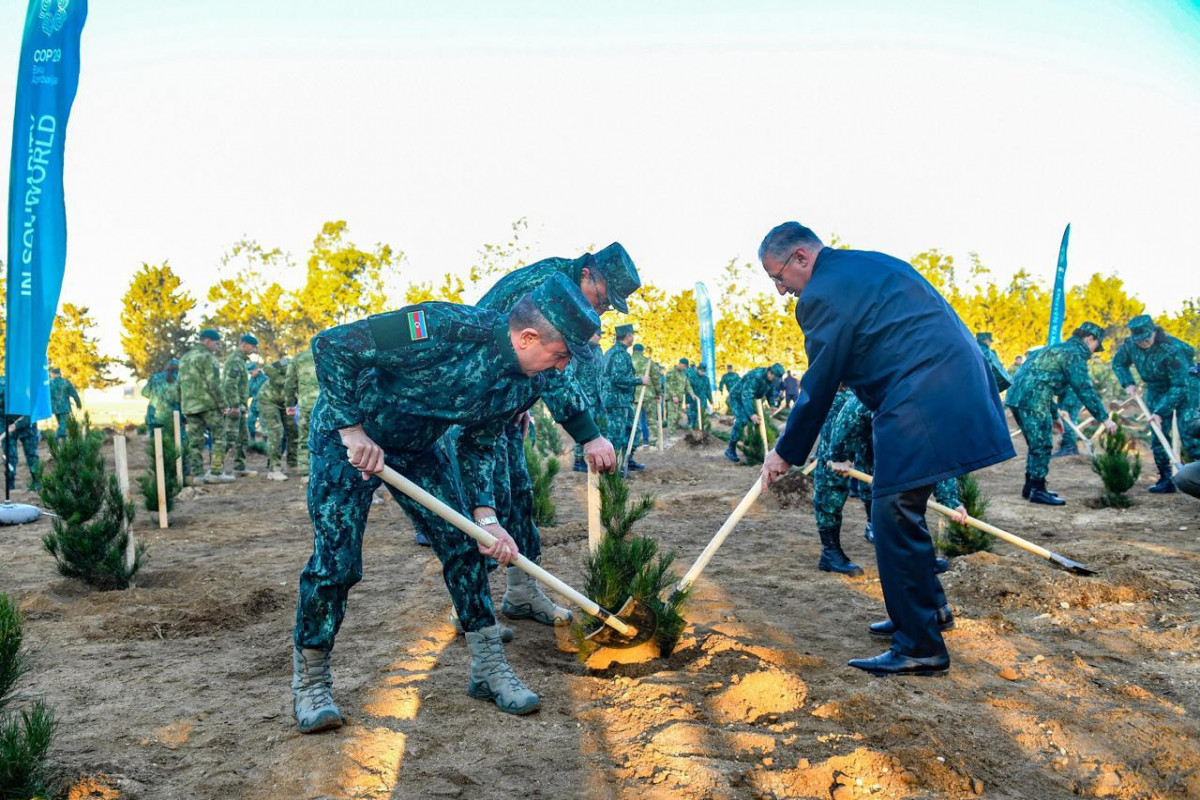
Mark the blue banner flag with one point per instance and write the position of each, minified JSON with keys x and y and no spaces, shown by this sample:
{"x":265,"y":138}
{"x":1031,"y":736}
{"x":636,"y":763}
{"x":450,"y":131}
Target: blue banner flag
{"x":1058,"y":305}
{"x":708,"y":353}
{"x":47,"y":77}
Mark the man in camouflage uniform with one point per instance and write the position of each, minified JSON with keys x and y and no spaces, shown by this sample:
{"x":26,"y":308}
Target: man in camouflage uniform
{"x":203,"y":406}
{"x":1069,"y":443}
{"x":257,"y":379}
{"x":272,"y":405}
{"x":701,"y":390}
{"x":302,"y":389}
{"x":1003,"y":380}
{"x":617,"y":386}
{"x":728,"y":381}
{"x":1163,"y":363}
{"x":678,"y":394}
{"x":162,"y":392}
{"x":648,"y":420}
{"x":391,"y":387}
{"x":62,"y":393}
{"x":754,"y":385}
{"x":1047,"y":375}
{"x":19,"y":428}
{"x":585,"y":373}
{"x":235,"y":386}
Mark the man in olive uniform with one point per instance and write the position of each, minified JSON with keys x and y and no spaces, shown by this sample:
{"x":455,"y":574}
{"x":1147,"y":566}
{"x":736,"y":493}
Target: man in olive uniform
{"x":62,"y":393}
{"x":162,"y":392}
{"x":203,"y":406}
{"x":391,"y":386}
{"x":1163,"y":363}
{"x":754,"y":385}
{"x":235,"y":386}
{"x":617,"y":385}
{"x":648,"y":420}
{"x":272,"y":402}
{"x":1003,"y":380}
{"x":302,"y":389}
{"x":257,"y":379}
{"x":678,"y":394}
{"x":1047,"y":375}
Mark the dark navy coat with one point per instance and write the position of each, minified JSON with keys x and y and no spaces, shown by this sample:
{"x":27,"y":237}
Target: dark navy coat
{"x":872,"y":322}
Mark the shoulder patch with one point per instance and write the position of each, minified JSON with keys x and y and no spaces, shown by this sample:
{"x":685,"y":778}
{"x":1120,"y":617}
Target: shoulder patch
{"x":401,"y":328}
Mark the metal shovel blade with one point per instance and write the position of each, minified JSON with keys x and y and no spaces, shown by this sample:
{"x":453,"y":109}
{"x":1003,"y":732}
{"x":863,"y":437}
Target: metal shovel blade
{"x":637,"y":616}
{"x":1073,"y":567}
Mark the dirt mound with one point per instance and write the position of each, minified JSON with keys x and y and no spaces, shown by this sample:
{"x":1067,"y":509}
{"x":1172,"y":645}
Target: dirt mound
{"x":1027,"y":582}
{"x":793,"y":490}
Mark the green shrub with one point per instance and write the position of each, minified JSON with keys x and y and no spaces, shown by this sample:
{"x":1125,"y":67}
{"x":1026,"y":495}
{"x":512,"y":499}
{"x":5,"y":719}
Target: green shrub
{"x":542,"y":472}
{"x":546,"y":435}
{"x":625,"y":566}
{"x":148,"y":483}
{"x":1118,"y":464}
{"x":91,"y":532}
{"x":962,"y":540}
{"x":25,"y":734}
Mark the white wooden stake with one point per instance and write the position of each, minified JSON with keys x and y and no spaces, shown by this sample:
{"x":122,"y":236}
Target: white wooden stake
{"x":662,"y":407}
{"x":121,"y":456}
{"x":160,"y":474}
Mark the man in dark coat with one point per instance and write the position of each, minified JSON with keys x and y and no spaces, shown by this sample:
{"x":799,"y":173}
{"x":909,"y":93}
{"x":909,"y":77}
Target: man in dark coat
{"x":872,"y":322}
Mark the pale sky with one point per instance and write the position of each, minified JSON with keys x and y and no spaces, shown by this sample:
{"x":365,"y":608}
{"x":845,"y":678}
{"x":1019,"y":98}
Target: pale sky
{"x":685,"y":132}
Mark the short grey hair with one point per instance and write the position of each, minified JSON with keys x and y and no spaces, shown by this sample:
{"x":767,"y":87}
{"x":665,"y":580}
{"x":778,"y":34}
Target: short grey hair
{"x":525,"y":314}
{"x":785,"y":238}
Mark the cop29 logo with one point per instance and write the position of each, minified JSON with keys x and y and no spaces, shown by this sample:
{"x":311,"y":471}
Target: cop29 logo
{"x":53,"y":15}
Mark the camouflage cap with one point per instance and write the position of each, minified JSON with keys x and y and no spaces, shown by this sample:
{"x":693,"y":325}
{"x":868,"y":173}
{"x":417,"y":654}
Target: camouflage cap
{"x":564,"y":306}
{"x":983,"y":336}
{"x":249,"y":338}
{"x":639,"y":347}
{"x":1141,"y":327}
{"x":701,"y":368}
{"x":623,"y":331}
{"x":620,"y":275}
{"x":210,"y":333}
{"x":1092,"y":329}
{"x":683,"y":361}
{"x":173,"y":363}
{"x":55,"y":371}
{"x":777,"y":368}
{"x":252,"y":366}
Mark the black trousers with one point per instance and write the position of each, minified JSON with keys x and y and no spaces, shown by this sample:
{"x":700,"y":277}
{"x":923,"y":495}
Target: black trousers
{"x":911,"y":590}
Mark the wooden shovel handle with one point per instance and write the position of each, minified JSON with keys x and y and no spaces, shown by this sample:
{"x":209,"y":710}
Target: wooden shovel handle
{"x":633,"y":431}
{"x":1162,"y":439}
{"x":1066,"y":418}
{"x":978,"y":524}
{"x":468,"y":526}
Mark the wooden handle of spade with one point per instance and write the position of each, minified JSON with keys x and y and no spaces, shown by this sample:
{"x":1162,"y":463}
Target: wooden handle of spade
{"x":637,"y":413}
{"x":1162,"y":439}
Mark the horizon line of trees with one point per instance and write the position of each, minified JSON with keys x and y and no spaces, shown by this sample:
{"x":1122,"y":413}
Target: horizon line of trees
{"x":260,"y":290}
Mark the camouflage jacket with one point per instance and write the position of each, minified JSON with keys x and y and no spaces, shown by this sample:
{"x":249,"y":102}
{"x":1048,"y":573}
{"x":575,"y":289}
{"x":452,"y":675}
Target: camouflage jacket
{"x":728,"y":381}
{"x":273,"y":392}
{"x":586,"y":376}
{"x":1163,"y":366}
{"x":676,"y":384}
{"x":235,"y":381}
{"x":163,"y":395}
{"x":700,"y":385}
{"x":62,"y":392}
{"x":199,"y":382}
{"x":753,"y":386}
{"x":639,"y":369}
{"x":256,"y":383}
{"x":618,"y":381}
{"x":1048,"y":373}
{"x":567,"y":402}
{"x":301,"y":386}
{"x":1003,"y":379}
{"x":850,"y":439}
{"x":406,"y":392}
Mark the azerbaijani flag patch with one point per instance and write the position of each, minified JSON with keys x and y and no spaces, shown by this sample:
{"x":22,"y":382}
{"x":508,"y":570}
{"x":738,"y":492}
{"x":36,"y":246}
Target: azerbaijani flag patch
{"x":417,"y":329}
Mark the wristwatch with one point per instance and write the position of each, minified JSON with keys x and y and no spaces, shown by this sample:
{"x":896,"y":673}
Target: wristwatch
{"x":491,"y":519}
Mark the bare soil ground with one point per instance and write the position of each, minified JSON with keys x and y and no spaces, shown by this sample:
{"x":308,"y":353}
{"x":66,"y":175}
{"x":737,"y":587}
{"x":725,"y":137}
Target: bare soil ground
{"x":1061,"y":686}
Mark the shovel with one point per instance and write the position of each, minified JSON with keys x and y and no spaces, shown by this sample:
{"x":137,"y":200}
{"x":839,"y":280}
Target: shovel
{"x":1162,"y":439}
{"x":1074,"y":567}
{"x":1087,"y":442}
{"x":615,"y":632}
{"x":637,"y":414}
{"x":717,"y":540}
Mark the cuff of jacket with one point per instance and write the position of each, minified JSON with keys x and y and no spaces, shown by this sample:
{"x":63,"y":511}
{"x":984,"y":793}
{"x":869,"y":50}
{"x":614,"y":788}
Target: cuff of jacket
{"x":784,"y":449}
{"x":582,"y":428}
{"x":483,"y":498}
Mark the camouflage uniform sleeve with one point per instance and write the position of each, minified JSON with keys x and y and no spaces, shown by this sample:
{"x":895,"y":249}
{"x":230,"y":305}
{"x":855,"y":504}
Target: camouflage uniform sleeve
{"x":742,"y":397}
{"x":340,"y":355}
{"x":1121,"y":363}
{"x":569,"y":406}
{"x":1081,"y":382}
{"x":619,"y":372}
{"x":74,"y":395}
{"x":1176,"y":363}
{"x":229,"y":382}
{"x":852,"y":437}
{"x":214,"y":381}
{"x":291,"y":385}
{"x":477,"y":461}
{"x":1003,"y":379}
{"x":146,"y":389}
{"x":946,"y":492}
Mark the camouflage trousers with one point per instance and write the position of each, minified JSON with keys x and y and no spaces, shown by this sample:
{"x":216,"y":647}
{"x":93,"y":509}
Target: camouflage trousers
{"x":1069,"y":437}
{"x":673,"y":415}
{"x":234,"y":437}
{"x":339,"y":501}
{"x":620,"y":424}
{"x":650,"y":419}
{"x":62,"y":424}
{"x":1189,"y":441}
{"x":739,"y":427}
{"x":1038,"y":429}
{"x":28,"y":437}
{"x":302,"y":439}
{"x":195,"y":424}
{"x":279,"y":424}
{"x":830,"y":492}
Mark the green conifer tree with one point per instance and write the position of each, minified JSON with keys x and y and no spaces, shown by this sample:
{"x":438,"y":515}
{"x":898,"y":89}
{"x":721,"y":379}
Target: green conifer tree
{"x":25,"y":734}
{"x":961,"y":540}
{"x":542,"y":471}
{"x":1118,"y":465}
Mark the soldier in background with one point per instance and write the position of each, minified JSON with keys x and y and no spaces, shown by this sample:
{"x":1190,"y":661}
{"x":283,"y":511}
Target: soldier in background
{"x":647,"y":421}
{"x":302,"y":390}
{"x":617,"y":385}
{"x":755,"y":385}
{"x":203,"y":406}
{"x":701,"y":389}
{"x":984,"y":340}
{"x":162,"y":392}
{"x":678,"y":394}
{"x":257,"y":379}
{"x":19,"y":428}
{"x":235,"y":386}
{"x":272,"y":401}
{"x":62,"y":393}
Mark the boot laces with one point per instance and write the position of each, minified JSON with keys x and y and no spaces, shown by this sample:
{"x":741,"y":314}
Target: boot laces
{"x":497,"y":665}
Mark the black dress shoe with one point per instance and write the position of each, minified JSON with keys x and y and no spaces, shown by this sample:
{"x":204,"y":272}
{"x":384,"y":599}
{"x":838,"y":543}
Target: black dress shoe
{"x":635,"y":466}
{"x":885,"y":629}
{"x":893,"y":663}
{"x":940,"y":565}
{"x":1164,"y":486}
{"x":1045,"y":498}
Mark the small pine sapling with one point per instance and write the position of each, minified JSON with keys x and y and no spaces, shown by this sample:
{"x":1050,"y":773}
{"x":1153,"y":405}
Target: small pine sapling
{"x":148,"y":482}
{"x":1118,"y":465}
{"x":751,"y":442}
{"x":962,"y":540}
{"x":546,"y":435}
{"x":25,"y":734}
{"x":542,"y":471}
{"x":625,"y":566}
